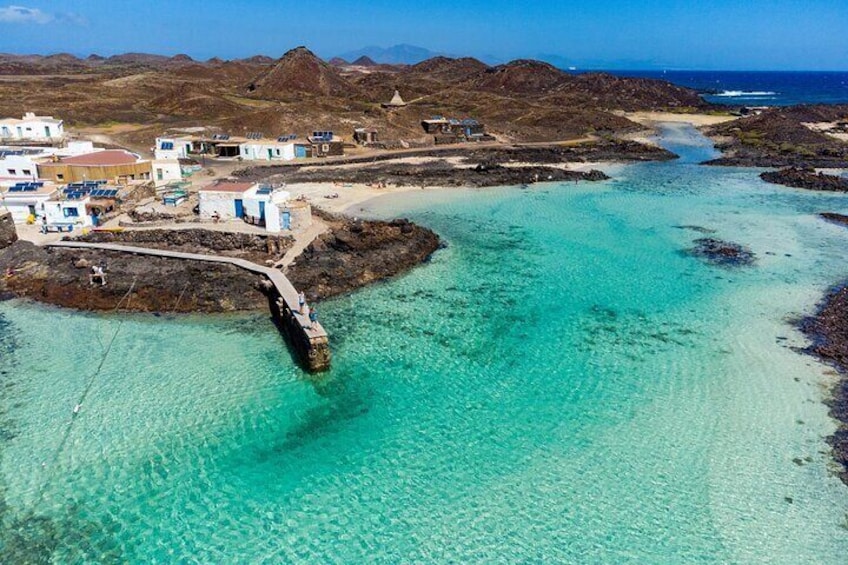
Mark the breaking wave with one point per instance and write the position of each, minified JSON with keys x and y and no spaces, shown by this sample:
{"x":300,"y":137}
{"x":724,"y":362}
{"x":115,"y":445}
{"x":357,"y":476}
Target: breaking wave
{"x":744,"y":94}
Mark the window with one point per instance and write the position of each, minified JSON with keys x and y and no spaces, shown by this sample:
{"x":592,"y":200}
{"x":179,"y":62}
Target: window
{"x":12,"y":172}
{"x":60,"y":176}
{"x":325,"y":148}
{"x":71,"y":212}
{"x":26,"y":172}
{"x":159,"y":174}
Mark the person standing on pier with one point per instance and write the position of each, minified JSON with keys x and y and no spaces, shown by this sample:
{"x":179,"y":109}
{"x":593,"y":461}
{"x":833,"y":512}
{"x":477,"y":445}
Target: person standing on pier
{"x":301,"y":301}
{"x":313,"y":318}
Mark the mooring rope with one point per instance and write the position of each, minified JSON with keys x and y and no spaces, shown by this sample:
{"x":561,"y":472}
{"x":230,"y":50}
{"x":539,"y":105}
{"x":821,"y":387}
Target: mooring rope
{"x":87,"y":388}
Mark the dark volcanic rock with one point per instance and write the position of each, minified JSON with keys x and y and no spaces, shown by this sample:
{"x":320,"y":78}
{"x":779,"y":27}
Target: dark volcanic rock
{"x":828,"y":331}
{"x":357,"y":253}
{"x":253,"y":247}
{"x":722,"y":253}
{"x":8,"y":234}
{"x":779,"y":138}
{"x":835,"y":218}
{"x":441,"y":173}
{"x":351,"y":255}
{"x":60,"y":277}
{"x":806,"y":178}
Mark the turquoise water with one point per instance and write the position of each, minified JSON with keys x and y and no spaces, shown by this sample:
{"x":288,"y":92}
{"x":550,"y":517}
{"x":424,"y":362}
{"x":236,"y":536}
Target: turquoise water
{"x":562,"y":383}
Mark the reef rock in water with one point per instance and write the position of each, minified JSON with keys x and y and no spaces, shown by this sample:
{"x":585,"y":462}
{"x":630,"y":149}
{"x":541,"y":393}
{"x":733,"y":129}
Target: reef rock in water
{"x":722,"y":253}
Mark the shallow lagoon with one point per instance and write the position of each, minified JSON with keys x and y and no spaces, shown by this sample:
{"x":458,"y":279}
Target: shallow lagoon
{"x":561,"y":383}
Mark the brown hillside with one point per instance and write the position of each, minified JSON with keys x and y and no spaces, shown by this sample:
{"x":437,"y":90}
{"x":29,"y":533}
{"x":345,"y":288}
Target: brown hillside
{"x":620,"y":93}
{"x":521,"y":77}
{"x":300,"y":72}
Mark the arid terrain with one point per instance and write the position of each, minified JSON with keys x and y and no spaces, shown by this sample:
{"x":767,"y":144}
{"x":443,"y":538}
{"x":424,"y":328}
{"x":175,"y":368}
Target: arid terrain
{"x":133,"y":97}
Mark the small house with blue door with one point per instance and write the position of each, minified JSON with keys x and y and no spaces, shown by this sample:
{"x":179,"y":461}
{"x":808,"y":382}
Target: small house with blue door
{"x":224,"y":200}
{"x":257,"y":202}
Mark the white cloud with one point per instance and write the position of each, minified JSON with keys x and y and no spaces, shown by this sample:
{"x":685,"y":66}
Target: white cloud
{"x":23,"y":15}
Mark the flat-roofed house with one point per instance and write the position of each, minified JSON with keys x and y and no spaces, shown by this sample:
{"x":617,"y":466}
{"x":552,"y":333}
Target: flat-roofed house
{"x":168,"y":148}
{"x":326,"y":144}
{"x":25,"y":201}
{"x":223,"y":199}
{"x":112,"y":164}
{"x":32,"y":128}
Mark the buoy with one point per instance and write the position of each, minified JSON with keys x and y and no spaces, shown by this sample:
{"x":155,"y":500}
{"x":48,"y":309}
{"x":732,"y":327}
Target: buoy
{"x":77,"y":408}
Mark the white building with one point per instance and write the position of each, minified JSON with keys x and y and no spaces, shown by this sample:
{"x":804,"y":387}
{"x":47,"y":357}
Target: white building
{"x":267,"y":150}
{"x":166,"y":171}
{"x":68,"y":212}
{"x":169,"y":148}
{"x":25,"y":205}
{"x":223,"y":199}
{"x":32,"y":128}
{"x":20,"y":164}
{"x":286,"y":215}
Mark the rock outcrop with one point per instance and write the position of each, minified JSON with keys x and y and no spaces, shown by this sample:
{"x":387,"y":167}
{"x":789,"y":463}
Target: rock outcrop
{"x":8,"y":234}
{"x":351,"y":255}
{"x":806,"y":178}
{"x":722,"y":253}
{"x":779,"y":137}
{"x":357,"y":253}
{"x":828,"y":331}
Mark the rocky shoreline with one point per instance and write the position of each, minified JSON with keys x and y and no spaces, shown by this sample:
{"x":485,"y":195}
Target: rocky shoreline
{"x":464,"y":166}
{"x":440,"y":174}
{"x":828,"y":332}
{"x":806,"y":178}
{"x":353,"y":254}
{"x":781,"y":137}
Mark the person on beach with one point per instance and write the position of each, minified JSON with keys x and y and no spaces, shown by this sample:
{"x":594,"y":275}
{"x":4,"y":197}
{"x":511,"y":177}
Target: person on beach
{"x":301,"y":301}
{"x":97,"y":273}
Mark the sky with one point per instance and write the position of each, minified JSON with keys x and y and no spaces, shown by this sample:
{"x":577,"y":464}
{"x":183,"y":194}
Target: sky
{"x":634,"y":34}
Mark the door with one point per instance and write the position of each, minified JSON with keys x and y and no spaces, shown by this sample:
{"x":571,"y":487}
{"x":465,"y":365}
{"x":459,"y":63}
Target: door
{"x":239,"y":208}
{"x":262,"y":212}
{"x":286,"y":220}
{"x":270,"y":154}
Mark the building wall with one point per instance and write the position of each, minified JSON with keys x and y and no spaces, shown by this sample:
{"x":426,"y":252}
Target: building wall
{"x":64,"y":173}
{"x":181,"y":148}
{"x":328,"y":149}
{"x":67,"y":212}
{"x":166,"y":170}
{"x":221,"y":202}
{"x":19,"y":205}
{"x":33,"y":128}
{"x":259,"y":151}
{"x":17,"y":168}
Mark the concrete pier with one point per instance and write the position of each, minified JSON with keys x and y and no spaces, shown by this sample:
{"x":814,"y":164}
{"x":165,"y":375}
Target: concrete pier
{"x":309,"y":340}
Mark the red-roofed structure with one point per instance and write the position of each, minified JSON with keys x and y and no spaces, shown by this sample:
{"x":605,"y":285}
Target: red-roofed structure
{"x":110,"y":157}
{"x":115,"y":165}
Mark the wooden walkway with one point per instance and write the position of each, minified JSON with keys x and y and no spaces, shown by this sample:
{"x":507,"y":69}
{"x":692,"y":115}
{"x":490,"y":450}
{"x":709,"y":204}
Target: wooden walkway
{"x":284,"y":287}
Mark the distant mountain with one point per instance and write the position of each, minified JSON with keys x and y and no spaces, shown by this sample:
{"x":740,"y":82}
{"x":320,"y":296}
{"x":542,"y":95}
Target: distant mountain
{"x":365,"y":61}
{"x":398,"y":55}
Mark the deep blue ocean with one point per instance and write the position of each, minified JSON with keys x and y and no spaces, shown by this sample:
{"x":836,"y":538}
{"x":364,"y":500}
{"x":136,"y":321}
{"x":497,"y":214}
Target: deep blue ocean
{"x":761,"y":88}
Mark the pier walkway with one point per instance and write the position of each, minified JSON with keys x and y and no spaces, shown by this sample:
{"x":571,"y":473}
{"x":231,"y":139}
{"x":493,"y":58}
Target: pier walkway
{"x":311,"y":335}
